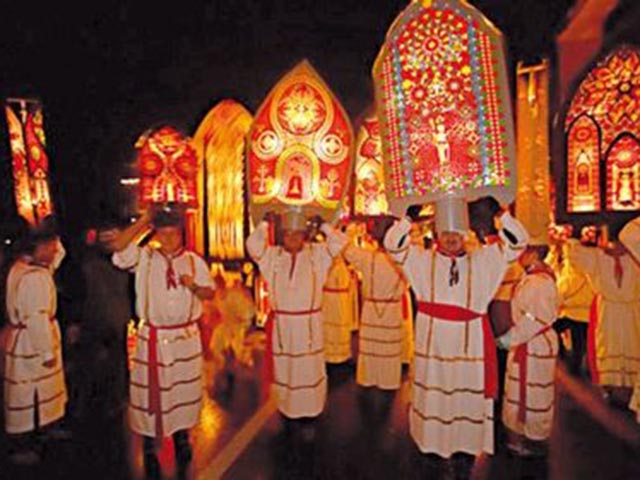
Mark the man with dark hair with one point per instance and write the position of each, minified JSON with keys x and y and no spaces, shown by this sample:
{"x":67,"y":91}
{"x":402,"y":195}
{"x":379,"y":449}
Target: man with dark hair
{"x":166,"y":379}
{"x":34,"y":386}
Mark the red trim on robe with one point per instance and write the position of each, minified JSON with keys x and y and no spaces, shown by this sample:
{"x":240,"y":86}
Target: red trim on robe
{"x":456,"y":313}
{"x":520,"y":357}
{"x":153,"y":378}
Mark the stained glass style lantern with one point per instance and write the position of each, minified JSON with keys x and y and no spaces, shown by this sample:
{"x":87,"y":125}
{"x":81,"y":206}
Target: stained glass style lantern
{"x":443,"y":101}
{"x":602,"y":125}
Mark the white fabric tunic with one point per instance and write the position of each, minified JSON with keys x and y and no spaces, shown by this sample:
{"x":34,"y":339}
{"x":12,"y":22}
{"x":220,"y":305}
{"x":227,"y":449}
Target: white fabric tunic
{"x":630,"y":238}
{"x":169,"y":313}
{"x":338,"y":311}
{"x":534,"y":307}
{"x":33,"y":338}
{"x":381,"y":321}
{"x":295,"y":294}
{"x":617,"y":333}
{"x":450,"y":411}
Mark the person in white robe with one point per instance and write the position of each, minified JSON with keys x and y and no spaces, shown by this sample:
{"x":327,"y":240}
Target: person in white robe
{"x":35,"y":393}
{"x":455,"y":373}
{"x":166,"y":379}
{"x":338,"y":311}
{"x":614,"y":328}
{"x":630,"y":238}
{"x":528,"y":405}
{"x":382,"y":333}
{"x":295,"y":273}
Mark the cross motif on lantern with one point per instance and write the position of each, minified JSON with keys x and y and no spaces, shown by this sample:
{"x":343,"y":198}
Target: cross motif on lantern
{"x":261,"y":178}
{"x":332,"y":182}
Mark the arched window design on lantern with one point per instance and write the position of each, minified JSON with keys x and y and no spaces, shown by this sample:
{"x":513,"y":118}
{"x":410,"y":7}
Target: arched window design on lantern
{"x":583,"y":172}
{"x":604,"y":116}
{"x":623,"y":174}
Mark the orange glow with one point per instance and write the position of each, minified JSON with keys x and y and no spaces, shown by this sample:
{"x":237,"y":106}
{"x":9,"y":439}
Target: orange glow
{"x":533,"y":199}
{"x":220,"y":144}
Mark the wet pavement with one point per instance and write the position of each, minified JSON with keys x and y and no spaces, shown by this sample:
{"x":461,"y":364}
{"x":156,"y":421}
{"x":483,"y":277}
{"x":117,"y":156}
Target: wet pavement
{"x":361,"y":435}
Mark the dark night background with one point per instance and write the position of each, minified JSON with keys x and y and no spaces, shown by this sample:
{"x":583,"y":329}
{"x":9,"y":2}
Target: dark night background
{"x":107,"y":71}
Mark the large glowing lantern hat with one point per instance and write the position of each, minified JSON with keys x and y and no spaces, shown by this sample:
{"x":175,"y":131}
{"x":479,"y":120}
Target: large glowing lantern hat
{"x":443,"y":102}
{"x":168,"y":168}
{"x":300,"y":149}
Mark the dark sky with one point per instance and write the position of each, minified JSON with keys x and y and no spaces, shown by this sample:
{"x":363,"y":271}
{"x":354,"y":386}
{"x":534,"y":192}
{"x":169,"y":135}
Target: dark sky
{"x":108,"y":70}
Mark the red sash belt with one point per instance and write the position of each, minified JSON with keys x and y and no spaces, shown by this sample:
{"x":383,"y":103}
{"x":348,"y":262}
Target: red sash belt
{"x":592,"y":359}
{"x":520,"y":357}
{"x":153,"y":377}
{"x":335,"y":290}
{"x":454,"y":313}
{"x":268,"y":371}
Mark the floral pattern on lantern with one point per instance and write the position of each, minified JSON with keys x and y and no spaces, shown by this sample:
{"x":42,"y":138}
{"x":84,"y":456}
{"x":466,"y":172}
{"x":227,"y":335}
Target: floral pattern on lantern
{"x":168,"y":168}
{"x":300,"y":148}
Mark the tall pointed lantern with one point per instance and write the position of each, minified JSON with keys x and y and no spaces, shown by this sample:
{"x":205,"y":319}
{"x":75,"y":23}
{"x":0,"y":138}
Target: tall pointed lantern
{"x":442,"y":96}
{"x":300,"y":148}
{"x":370,"y":197}
{"x":220,"y":143}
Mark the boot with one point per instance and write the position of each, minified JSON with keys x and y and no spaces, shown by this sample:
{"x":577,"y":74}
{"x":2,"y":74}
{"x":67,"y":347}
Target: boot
{"x":151,"y":463}
{"x":184,"y":454}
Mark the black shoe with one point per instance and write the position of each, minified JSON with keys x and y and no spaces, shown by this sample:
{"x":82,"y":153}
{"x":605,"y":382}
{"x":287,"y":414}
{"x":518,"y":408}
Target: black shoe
{"x":184,"y":455}
{"x":151,"y":467}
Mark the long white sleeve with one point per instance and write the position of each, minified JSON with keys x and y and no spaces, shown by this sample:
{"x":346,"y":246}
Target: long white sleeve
{"x":128,"y":258}
{"x":518,"y":238}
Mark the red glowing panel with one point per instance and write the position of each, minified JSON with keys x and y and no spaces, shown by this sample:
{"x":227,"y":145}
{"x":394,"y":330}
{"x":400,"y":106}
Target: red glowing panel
{"x":583,"y":173}
{"x":168,"y":168}
{"x":610,"y":94}
{"x":300,"y":147}
{"x":623,"y":174}
{"x":442,"y":95}
{"x":370,"y":197}
{"x":29,"y":161}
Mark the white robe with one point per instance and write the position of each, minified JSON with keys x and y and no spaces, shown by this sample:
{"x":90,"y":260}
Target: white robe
{"x":381,"y":321}
{"x":630,"y":238}
{"x":33,"y":338}
{"x":449,"y":410}
{"x":295,"y":295}
{"x":174,"y":312}
{"x":338,"y":312}
{"x":617,"y":335}
{"x":534,"y":307}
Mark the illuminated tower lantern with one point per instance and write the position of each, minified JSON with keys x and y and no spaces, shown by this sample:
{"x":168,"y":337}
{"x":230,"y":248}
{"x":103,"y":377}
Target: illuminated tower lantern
{"x":442,"y":96}
{"x":300,"y":148}
{"x":29,"y":159}
{"x":370,"y":197}
{"x":220,"y":143}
